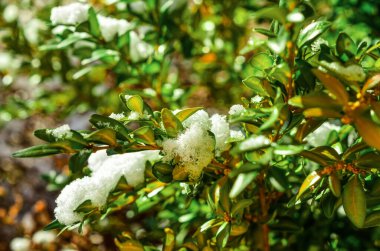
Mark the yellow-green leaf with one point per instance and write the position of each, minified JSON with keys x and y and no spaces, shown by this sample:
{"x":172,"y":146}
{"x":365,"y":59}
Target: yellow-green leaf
{"x":368,"y":130}
{"x":321,"y":113}
{"x":333,"y":85}
{"x":320,"y":100}
{"x":372,"y":220}
{"x":334,"y":184}
{"x":106,"y":135}
{"x":171,"y":123}
{"x":310,"y":180}
{"x":354,"y":202}
{"x":169,"y":240}
{"x":262,"y":61}
{"x":185,"y":113}
{"x":371,"y":83}
{"x":145,"y":134}
{"x":135,"y":103}
{"x":259,"y":86}
{"x":129,"y":245}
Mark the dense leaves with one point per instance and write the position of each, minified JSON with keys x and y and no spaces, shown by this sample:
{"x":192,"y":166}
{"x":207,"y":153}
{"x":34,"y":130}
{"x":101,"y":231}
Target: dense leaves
{"x":303,"y":144}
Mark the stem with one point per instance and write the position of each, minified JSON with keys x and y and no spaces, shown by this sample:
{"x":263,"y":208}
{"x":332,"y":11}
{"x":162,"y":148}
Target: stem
{"x":264,"y":212}
{"x":290,"y":87}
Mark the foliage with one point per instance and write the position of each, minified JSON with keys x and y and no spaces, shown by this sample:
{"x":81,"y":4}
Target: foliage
{"x":296,"y":161}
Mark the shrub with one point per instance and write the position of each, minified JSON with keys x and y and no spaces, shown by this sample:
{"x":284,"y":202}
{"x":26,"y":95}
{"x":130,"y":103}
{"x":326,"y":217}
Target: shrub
{"x":300,"y":149}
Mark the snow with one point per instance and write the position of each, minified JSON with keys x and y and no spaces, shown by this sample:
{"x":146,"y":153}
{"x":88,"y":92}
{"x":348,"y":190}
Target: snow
{"x":70,"y":14}
{"x":236,"y":110}
{"x":109,"y":27}
{"x":106,"y":172}
{"x":61,"y":132}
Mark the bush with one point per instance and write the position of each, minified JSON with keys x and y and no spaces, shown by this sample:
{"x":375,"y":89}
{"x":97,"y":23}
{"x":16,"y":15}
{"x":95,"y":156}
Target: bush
{"x":287,"y":168}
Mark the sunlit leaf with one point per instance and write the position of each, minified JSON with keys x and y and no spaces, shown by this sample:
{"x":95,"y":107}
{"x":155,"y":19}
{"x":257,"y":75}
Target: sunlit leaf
{"x":259,"y":86}
{"x":333,"y":85}
{"x":223,"y":234}
{"x":368,"y":130}
{"x":106,"y":135}
{"x":171,"y":123}
{"x":241,"y":182}
{"x":262,"y":61}
{"x":145,"y":135}
{"x":310,"y":181}
{"x":311,"y":32}
{"x":187,"y":112}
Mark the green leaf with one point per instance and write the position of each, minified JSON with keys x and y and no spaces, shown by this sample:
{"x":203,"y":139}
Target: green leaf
{"x":368,"y":130}
{"x":224,"y":189}
{"x":163,"y":172}
{"x":273,"y":117}
{"x":102,"y":122}
{"x":85,"y":207}
{"x":277,"y":178}
{"x":135,"y":103}
{"x":79,"y":160}
{"x":315,"y":100}
{"x":209,"y":224}
{"x":345,"y":45}
{"x":245,"y":168}
{"x":310,"y":180}
{"x":372,"y":220}
{"x":327,"y":152}
{"x":169,"y":244}
{"x":368,"y":160}
{"x":275,"y":12}
{"x":321,"y":113}
{"x":306,"y":128}
{"x":329,"y":204}
{"x":316,"y":157}
{"x":107,"y":56}
{"x":43,"y":150}
{"x":335,"y":185}
{"x":281,"y":73}
{"x":145,"y":135}
{"x":94,"y":24}
{"x":354,"y":201}
{"x":262,"y":61}
{"x":311,"y":32}
{"x":371,"y":83}
{"x":223,"y":234}
{"x":185,"y":113}
{"x":333,"y":85}
{"x":172,"y":124}
{"x":240,"y":205}
{"x":354,"y":149}
{"x":259,"y":86}
{"x":265,"y":32}
{"x":106,"y":135}
{"x":71,"y":39}
{"x":252,"y":143}
{"x":53,"y":225}
{"x":45,"y":135}
{"x":241,"y":182}
{"x":287,"y":149}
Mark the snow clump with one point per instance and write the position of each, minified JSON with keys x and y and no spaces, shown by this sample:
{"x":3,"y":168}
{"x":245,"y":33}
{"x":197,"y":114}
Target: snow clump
{"x":70,"y":14}
{"x":109,"y":27}
{"x":61,"y":132}
{"x":195,"y":148}
{"x":106,"y":172}
{"x":236,"y":110}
